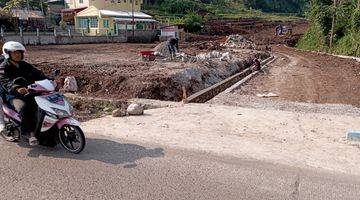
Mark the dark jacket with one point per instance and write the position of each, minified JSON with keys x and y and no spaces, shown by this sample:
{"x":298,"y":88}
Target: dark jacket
{"x":13,"y":77}
{"x":174,"y":42}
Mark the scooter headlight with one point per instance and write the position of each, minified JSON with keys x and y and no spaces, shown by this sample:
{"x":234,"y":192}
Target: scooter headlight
{"x":61,"y":113}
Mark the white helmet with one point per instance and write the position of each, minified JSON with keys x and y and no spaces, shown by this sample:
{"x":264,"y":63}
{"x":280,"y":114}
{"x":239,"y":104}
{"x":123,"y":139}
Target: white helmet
{"x":12,"y":46}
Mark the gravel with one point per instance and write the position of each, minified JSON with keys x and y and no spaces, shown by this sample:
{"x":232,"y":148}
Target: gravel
{"x":248,"y":101}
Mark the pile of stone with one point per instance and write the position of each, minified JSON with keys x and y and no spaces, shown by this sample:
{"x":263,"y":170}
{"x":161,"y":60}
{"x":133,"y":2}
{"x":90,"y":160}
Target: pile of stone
{"x":222,"y":56}
{"x":162,"y":50}
{"x":185,"y":57}
{"x":238,"y":41}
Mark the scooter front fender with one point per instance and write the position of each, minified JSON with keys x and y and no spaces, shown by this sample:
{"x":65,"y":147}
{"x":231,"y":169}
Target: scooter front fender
{"x":67,"y":121}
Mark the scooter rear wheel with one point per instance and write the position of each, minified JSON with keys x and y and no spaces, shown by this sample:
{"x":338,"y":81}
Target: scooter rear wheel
{"x":72,"y":138}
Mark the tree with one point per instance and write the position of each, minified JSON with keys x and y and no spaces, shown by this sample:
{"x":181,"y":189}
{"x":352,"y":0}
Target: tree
{"x":10,"y":5}
{"x":193,"y":22}
{"x":339,"y":22}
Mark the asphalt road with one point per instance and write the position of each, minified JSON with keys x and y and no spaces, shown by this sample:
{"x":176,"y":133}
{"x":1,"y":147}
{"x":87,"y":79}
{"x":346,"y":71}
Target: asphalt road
{"x":113,"y":169}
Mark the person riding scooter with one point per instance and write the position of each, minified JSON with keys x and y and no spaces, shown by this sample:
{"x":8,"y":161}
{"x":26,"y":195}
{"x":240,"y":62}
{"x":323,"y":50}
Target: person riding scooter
{"x":15,"y":76}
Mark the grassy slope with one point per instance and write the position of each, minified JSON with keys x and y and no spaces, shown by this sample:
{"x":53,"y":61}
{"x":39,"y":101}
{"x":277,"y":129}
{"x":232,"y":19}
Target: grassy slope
{"x":233,"y":11}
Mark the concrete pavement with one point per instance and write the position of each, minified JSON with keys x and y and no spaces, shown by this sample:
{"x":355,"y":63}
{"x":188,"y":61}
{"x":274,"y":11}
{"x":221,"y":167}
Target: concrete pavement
{"x":113,"y":169}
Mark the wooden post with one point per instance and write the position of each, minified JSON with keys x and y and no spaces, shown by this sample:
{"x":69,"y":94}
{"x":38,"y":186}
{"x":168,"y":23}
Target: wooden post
{"x":21,"y":35}
{"x":38,"y":35}
{"x":54,"y":32}
{"x":69,"y":32}
{"x":184,"y":95}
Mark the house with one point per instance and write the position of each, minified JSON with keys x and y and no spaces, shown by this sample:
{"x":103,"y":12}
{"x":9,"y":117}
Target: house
{"x":110,"y":17}
{"x":29,"y":19}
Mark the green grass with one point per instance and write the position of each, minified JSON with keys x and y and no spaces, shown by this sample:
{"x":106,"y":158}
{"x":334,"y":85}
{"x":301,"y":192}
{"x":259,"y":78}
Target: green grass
{"x":262,"y":16}
{"x":348,"y":45}
{"x":233,"y":11}
{"x":312,"y":39}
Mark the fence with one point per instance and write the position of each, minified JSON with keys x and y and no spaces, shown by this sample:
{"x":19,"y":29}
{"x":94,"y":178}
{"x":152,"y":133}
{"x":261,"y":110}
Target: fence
{"x":71,"y":36}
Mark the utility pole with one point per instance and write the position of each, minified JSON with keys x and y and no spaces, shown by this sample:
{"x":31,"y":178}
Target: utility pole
{"x":41,"y":6}
{"x":133,"y":19}
{"x":333,"y":25}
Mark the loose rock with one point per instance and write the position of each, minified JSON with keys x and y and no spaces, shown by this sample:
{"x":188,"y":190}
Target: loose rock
{"x":70,"y":84}
{"x":135,"y":109}
{"x":119,"y":112}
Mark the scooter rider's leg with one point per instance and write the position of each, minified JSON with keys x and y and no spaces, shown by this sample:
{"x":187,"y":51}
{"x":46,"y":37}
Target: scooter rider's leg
{"x":27,"y":118}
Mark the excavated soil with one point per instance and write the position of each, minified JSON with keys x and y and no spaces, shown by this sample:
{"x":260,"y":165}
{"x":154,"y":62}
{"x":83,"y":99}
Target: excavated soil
{"x":117,"y":71}
{"x":258,"y":31}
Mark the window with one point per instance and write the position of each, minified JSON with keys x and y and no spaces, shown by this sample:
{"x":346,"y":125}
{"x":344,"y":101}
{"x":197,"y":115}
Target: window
{"x":93,"y":22}
{"x":139,"y":26}
{"x":83,"y":23}
{"x":106,"y":23}
{"x":81,"y":1}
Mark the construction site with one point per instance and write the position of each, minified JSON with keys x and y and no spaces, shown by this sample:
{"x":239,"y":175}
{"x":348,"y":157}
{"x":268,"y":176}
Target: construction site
{"x":294,"y":111}
{"x":117,"y":71}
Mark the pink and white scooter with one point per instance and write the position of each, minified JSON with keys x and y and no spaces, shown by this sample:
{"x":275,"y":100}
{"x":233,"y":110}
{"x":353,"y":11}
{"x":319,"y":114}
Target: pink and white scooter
{"x":55,"y":119}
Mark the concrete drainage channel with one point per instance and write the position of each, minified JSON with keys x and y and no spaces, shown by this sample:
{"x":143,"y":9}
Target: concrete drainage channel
{"x":227,"y":85}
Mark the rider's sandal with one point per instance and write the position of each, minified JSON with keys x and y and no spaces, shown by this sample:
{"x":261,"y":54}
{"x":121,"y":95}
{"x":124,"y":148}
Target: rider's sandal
{"x":33,"y":141}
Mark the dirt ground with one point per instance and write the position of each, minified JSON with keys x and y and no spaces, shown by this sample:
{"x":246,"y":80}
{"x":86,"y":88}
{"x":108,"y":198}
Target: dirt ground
{"x":308,"y":77}
{"x":117,"y":71}
{"x":258,"y":31}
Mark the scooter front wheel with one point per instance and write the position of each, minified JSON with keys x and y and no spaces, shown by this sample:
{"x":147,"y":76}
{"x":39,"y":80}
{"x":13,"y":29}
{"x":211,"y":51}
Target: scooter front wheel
{"x":72,"y":138}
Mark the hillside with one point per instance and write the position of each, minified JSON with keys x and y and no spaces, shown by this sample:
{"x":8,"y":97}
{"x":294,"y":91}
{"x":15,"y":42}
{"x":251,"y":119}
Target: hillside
{"x":195,"y":13}
{"x":277,"y":6}
{"x":334,"y":28}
